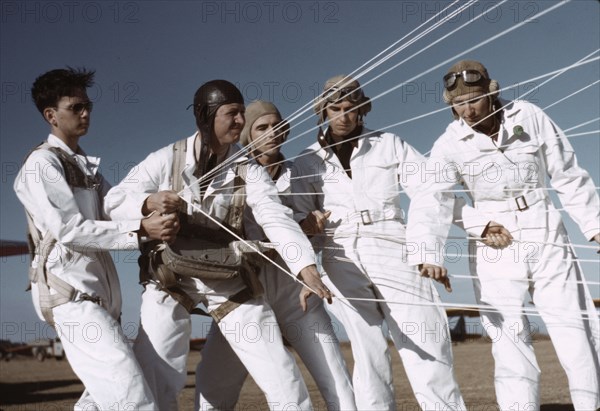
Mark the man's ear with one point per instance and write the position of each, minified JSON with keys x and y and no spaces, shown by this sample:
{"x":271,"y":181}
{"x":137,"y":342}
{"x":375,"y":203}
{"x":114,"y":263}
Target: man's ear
{"x":50,"y":116}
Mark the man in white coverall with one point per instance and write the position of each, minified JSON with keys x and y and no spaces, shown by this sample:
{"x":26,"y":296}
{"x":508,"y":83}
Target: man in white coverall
{"x":162,"y":344}
{"x":351,"y":181}
{"x":502,"y":152}
{"x":75,"y":286}
{"x":220,"y":375}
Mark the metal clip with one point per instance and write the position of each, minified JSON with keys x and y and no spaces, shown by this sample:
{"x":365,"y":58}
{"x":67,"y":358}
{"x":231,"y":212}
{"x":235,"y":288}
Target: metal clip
{"x":521,"y":203}
{"x":368,"y":220}
{"x":87,"y":297}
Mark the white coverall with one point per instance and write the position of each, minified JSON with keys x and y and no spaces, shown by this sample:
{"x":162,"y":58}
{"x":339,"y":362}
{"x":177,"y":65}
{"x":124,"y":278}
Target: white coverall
{"x":310,"y":333}
{"x":251,"y":329}
{"x":94,"y":342}
{"x":364,"y":255}
{"x":502,"y":177}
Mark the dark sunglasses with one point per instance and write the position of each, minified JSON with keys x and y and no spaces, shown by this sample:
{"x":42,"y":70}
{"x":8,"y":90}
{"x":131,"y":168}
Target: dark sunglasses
{"x":335,"y":94}
{"x":78,"y":108}
{"x":468,"y":76}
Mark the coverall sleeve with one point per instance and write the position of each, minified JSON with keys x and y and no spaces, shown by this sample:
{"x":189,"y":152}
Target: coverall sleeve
{"x":434,"y":207}
{"x":468,"y":218}
{"x":431,"y":211}
{"x":277,"y":221}
{"x":305,"y":197}
{"x":410,"y":167}
{"x":572,"y":183}
{"x":42,"y":188}
{"x":125,"y":200}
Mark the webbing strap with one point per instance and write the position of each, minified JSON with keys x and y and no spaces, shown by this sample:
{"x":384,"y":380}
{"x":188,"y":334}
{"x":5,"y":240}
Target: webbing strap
{"x":74,"y":176}
{"x":44,"y":279}
{"x":181,"y":297}
{"x":34,"y":240}
{"x":179,"y":152}
{"x":42,"y":244}
{"x":231,"y":304}
{"x":65,"y":292}
{"x":235,"y":214}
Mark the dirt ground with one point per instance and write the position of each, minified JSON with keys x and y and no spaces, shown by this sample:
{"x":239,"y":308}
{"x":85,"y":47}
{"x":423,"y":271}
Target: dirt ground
{"x":29,"y":385}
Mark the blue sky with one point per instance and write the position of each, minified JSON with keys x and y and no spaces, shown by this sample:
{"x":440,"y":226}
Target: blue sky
{"x":150,"y":57}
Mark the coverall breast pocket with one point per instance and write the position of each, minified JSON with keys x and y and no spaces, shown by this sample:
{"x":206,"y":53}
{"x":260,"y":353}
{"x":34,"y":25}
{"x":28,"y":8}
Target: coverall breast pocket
{"x":526,"y":162}
{"x":378,"y":181}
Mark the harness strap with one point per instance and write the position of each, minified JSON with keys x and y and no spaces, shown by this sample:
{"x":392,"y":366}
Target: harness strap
{"x":231,"y":304}
{"x":74,"y":175}
{"x":235,"y":214}
{"x":181,"y":297}
{"x":42,"y":244}
{"x":44,"y":279}
{"x":34,"y":240}
{"x":64,"y":293}
{"x":166,"y":278}
{"x":179,"y":152}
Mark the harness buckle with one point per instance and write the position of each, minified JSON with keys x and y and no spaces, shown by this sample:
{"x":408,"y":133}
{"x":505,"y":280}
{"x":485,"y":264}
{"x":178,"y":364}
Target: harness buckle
{"x":87,"y":297}
{"x":521,"y":203}
{"x":365,"y":217}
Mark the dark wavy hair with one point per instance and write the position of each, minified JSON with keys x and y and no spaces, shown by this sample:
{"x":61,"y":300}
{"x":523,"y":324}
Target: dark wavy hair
{"x":50,"y":87}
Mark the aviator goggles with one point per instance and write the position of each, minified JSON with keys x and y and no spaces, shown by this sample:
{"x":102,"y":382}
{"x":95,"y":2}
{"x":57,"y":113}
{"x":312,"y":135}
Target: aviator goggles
{"x":335,"y":94}
{"x":78,"y":108}
{"x":468,"y":76}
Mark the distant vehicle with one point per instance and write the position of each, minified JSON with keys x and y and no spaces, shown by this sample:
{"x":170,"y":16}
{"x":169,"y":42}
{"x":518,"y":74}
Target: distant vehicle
{"x":42,"y":349}
{"x":9,"y":349}
{"x":8,"y":248}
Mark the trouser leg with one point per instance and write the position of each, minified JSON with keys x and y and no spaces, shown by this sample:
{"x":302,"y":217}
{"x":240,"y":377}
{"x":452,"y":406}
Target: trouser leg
{"x":363,"y":321}
{"x":101,"y":357}
{"x":421,"y":335}
{"x":417,"y":322}
{"x":162,"y":345}
{"x":516,"y":371}
{"x":220,"y":375}
{"x":312,"y":335}
{"x":563,"y":300}
{"x":253,"y":334}
{"x":502,"y":283}
{"x":318,"y":347}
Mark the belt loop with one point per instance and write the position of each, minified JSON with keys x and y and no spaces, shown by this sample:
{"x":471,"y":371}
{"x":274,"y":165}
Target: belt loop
{"x":367,"y":214}
{"x":521,"y":203}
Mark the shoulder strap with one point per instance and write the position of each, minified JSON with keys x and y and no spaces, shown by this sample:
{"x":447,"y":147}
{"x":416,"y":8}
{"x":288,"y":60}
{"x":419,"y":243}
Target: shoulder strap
{"x":179,"y":151}
{"x":235,"y":216}
{"x":74,"y":176}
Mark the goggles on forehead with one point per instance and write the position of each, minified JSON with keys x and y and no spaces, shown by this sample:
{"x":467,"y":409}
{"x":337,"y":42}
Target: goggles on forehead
{"x":335,"y":94}
{"x":468,"y":76}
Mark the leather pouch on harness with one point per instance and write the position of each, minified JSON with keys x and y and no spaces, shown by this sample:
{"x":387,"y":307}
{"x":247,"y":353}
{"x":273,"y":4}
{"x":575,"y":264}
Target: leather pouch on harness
{"x":199,"y":258}
{"x":207,"y":260}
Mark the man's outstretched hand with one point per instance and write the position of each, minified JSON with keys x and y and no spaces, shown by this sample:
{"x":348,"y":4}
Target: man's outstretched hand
{"x":496,"y":236}
{"x":311,"y":277}
{"x":436,"y":272}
